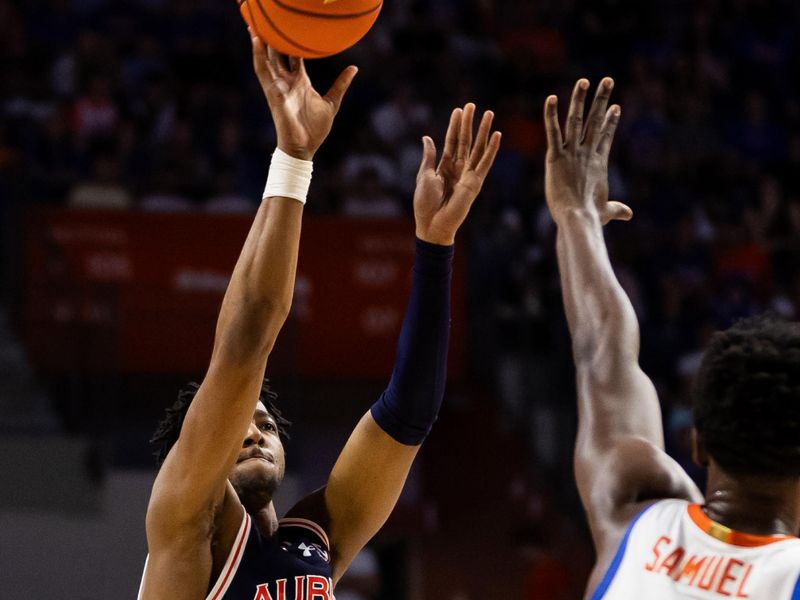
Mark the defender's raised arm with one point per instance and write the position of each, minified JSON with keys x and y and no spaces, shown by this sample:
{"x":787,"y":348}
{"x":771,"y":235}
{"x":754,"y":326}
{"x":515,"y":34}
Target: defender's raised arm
{"x":619,"y":458}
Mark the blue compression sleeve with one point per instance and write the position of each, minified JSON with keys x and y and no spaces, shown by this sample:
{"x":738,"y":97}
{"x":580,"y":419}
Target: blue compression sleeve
{"x":409,"y":406}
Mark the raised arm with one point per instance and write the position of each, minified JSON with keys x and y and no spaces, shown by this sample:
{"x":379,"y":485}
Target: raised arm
{"x":370,"y":473}
{"x":619,"y":456}
{"x":192,"y":481}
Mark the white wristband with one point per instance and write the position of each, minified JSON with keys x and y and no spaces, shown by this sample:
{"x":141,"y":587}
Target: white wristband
{"x":288,"y":177}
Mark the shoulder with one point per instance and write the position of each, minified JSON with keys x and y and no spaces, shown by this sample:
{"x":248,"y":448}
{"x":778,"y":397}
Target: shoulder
{"x":299,"y":528}
{"x":620,"y":536}
{"x":309,"y":515}
{"x":637,"y":473}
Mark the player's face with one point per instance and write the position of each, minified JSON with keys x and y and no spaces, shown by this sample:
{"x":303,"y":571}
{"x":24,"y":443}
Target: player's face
{"x":261,"y":463}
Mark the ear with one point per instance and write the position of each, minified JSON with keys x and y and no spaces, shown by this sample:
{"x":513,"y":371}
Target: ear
{"x":699,"y":453}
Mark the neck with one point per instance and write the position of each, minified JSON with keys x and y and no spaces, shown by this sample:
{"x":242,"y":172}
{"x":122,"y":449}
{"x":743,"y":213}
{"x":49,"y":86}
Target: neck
{"x":265,"y":518}
{"x":754,"y":504}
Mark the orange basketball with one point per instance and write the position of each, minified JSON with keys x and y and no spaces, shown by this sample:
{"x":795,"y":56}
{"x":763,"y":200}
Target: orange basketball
{"x":310,"y":28}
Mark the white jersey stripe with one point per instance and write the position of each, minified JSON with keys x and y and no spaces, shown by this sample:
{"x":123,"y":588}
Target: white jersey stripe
{"x":232,"y":564}
{"x":228,"y":571}
{"x":306,"y":524}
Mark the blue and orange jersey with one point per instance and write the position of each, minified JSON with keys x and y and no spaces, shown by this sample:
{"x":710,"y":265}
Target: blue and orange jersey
{"x":672,"y":550}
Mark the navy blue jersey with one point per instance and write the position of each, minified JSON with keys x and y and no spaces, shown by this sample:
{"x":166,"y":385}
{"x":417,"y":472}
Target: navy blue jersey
{"x":295,"y":564}
{"x":292,"y":565}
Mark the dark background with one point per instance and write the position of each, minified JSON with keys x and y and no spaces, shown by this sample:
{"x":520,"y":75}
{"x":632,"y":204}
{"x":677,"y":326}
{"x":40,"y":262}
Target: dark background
{"x":147,"y":112}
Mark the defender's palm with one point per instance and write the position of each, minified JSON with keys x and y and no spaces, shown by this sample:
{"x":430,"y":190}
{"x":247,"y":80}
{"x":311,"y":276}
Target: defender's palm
{"x":576,"y":171}
{"x":445,"y":193}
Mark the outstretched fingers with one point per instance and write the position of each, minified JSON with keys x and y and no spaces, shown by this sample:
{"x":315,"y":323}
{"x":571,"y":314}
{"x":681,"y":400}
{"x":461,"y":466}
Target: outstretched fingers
{"x":339,"y":88}
{"x":465,"y":132}
{"x":428,"y":156}
{"x":555,"y":142}
{"x":297,"y":65}
{"x":482,"y":139}
{"x":451,"y":139}
{"x":617,"y":211}
{"x":261,"y":63}
{"x":597,"y":113}
{"x":574,"y":129}
{"x":487,"y":159}
{"x":608,"y":130}
{"x":276,"y":62}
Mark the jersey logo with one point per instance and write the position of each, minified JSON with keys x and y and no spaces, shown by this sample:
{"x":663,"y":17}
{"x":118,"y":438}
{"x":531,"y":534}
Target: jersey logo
{"x":309,"y":550}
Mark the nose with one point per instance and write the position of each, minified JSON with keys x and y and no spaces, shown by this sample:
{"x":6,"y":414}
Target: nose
{"x":254,"y":437}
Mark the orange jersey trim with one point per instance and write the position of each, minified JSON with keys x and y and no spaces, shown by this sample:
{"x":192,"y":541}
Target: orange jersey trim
{"x":728,"y":535}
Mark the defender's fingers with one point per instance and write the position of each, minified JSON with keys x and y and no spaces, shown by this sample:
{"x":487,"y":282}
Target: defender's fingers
{"x":487,"y":160}
{"x":465,"y":132}
{"x":340,"y":86}
{"x":554,"y":140}
{"x":608,"y":130}
{"x":617,"y":211}
{"x":482,"y":139}
{"x":451,"y":139}
{"x":597,"y":113}
{"x":276,"y":62}
{"x":574,"y":128}
{"x":260,"y":61}
{"x":428,"y":156}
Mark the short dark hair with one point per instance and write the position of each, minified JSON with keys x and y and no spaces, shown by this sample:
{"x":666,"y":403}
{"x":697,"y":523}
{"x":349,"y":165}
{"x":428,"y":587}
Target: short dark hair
{"x":747,"y":398}
{"x":170,"y":426}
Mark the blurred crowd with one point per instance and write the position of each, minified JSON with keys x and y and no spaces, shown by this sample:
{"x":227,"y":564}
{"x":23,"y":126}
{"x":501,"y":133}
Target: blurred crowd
{"x":152,"y":105}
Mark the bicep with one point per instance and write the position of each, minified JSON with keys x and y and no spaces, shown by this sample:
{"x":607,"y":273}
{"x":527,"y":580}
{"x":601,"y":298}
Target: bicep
{"x":616,"y":398}
{"x":616,"y":401}
{"x":363,"y":488}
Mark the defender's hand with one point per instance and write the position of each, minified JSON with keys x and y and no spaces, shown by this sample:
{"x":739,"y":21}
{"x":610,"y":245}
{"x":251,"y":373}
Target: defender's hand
{"x":303,"y":118}
{"x":576,"y":169}
{"x":445,"y":193}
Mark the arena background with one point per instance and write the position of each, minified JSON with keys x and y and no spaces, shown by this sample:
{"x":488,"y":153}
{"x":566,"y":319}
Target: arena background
{"x":134,"y":143}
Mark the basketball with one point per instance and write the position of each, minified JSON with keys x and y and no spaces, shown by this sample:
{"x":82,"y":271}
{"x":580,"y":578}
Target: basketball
{"x":310,"y":28}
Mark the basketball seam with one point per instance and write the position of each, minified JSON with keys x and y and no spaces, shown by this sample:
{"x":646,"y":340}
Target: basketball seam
{"x":311,"y":13}
{"x":286,"y":38}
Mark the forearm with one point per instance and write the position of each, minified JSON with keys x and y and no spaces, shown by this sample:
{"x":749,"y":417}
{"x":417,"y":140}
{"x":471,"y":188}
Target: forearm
{"x":411,"y":402}
{"x":259,"y":294}
{"x":600,"y":315}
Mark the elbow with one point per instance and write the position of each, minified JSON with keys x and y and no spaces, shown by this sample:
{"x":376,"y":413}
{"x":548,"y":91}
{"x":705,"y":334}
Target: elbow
{"x":601,"y":366}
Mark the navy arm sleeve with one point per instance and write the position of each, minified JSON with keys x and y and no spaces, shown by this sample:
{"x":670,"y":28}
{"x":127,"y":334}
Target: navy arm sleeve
{"x":409,"y":406}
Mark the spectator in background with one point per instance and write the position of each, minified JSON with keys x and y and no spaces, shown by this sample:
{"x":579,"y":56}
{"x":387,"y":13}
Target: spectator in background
{"x":362,"y":581}
{"x":103,"y":190}
{"x":369,"y":196}
{"x":228,"y":199}
{"x":400,"y":117}
{"x":95,"y":114}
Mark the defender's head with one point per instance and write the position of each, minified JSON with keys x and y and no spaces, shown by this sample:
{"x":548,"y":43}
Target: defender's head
{"x":261,"y":463}
{"x":747,"y":399}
